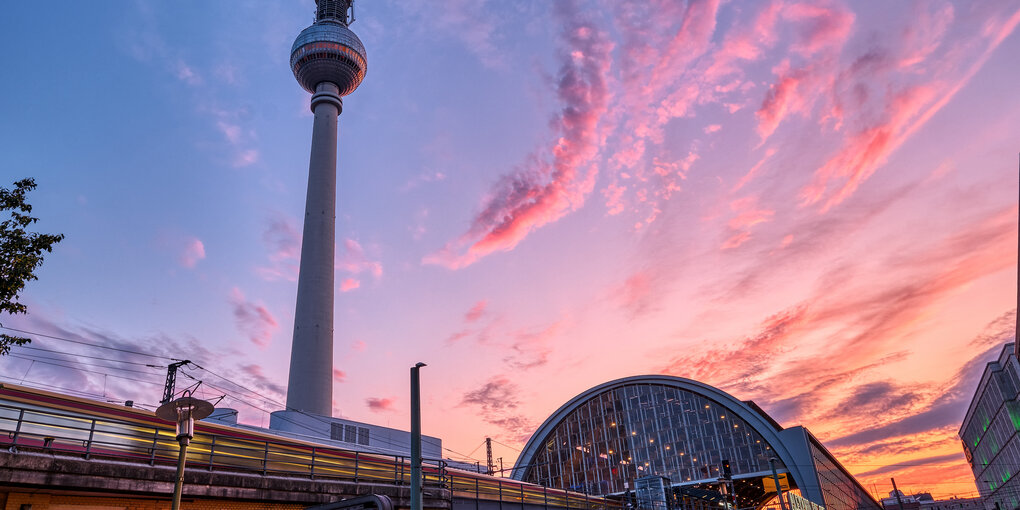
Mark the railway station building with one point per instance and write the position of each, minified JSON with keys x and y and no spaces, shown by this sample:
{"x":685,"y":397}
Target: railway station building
{"x":671,"y":442}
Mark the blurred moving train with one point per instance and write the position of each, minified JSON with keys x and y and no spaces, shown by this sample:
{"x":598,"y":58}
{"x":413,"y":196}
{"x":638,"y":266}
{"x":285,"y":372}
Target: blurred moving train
{"x":42,"y":420}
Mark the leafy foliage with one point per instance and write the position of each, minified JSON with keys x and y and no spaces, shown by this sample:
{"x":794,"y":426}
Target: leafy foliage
{"x":21,"y":253}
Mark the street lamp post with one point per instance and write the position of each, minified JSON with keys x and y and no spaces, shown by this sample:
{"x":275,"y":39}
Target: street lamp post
{"x":183,"y":411}
{"x":416,"y":499}
{"x":775,"y":478}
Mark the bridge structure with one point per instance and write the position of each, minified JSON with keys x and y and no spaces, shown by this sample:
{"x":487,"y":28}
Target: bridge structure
{"x":63,"y":452}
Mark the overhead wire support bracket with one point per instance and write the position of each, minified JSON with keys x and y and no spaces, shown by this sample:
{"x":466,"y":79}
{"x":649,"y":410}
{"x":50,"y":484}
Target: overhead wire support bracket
{"x":171,"y":379}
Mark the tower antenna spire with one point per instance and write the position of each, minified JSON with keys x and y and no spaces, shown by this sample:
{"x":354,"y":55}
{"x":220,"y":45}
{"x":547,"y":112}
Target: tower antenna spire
{"x":334,"y":11}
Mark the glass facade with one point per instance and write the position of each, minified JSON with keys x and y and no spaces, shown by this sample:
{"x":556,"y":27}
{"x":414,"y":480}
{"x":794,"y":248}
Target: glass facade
{"x":989,"y":433}
{"x":839,"y":489}
{"x":637,"y":430}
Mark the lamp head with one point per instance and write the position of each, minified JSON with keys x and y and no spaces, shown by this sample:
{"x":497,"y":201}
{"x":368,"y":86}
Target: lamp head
{"x":183,"y":412}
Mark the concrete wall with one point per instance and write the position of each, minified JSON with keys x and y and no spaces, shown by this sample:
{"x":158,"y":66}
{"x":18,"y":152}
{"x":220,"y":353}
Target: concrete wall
{"x":44,"y":475}
{"x":14,"y":500}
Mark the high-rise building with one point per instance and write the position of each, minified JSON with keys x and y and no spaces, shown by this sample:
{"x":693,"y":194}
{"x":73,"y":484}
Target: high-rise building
{"x":990,"y":432}
{"x":329,"y":61}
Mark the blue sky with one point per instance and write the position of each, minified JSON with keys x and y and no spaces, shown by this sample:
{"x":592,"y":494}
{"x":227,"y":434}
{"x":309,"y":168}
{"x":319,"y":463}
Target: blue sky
{"x":537,"y":199}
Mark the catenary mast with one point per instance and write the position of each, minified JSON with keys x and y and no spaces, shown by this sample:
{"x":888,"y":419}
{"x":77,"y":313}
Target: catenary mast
{"x":329,"y":61}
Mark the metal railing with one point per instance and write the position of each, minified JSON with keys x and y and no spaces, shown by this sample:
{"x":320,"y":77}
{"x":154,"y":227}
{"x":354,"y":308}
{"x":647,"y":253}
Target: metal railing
{"x":513,"y":492}
{"x":54,"y":431}
{"x":32,"y":428}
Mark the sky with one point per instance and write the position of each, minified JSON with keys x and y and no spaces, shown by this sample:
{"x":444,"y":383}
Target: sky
{"x":812,"y":205}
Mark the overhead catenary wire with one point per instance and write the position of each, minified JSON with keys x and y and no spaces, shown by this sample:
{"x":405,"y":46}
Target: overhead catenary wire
{"x":320,"y":419}
{"x":19,"y":347}
{"x":90,"y":344}
{"x":65,"y":360}
{"x":506,"y":445}
{"x":85,"y":370}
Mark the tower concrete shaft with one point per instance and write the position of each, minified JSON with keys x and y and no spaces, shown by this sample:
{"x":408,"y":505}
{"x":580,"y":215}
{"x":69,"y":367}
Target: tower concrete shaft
{"x":310,"y":385}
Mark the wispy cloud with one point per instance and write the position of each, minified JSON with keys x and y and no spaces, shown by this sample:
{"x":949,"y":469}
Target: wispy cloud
{"x":192,"y":252}
{"x":498,"y":400}
{"x":254,"y":319}
{"x":557,"y":178}
{"x":472,"y":22}
{"x":352,"y":259}
{"x":476,"y":311}
{"x":282,"y":239}
{"x":381,"y":404}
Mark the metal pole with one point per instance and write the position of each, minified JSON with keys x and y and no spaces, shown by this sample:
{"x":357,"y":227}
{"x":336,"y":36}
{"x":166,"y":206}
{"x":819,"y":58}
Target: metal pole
{"x":416,"y":499}
{"x":488,"y":455}
{"x":896,"y":491}
{"x":775,"y":478}
{"x":179,"y":485}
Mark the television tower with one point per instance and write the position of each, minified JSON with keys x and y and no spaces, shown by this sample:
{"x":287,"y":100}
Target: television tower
{"x":329,"y":61}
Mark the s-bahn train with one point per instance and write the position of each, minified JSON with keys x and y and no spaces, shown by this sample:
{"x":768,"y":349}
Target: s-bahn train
{"x":33,"y":419}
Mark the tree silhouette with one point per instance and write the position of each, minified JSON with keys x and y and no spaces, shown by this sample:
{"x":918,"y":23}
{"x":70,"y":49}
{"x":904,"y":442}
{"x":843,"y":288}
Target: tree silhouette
{"x":21,"y":252}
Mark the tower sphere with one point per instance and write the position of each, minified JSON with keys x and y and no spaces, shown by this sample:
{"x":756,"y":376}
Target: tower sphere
{"x":328,"y":52}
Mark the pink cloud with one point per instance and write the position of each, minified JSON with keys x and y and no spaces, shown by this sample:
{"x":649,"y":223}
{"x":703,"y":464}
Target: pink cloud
{"x":476,"y":311}
{"x":904,"y":109}
{"x":354,"y":260}
{"x":231,"y":131}
{"x":253,"y":319}
{"x":736,"y":240}
{"x":747,"y":214}
{"x":669,"y":71}
{"x":470,"y":21}
{"x":230,"y":123}
{"x":425,"y":177}
{"x":283,"y":240}
{"x":531,"y":349}
{"x":755,"y":169}
{"x":745,"y":43}
{"x":614,"y":198}
{"x":547,"y":189}
{"x":349,"y":284}
{"x":749,"y":357}
{"x":339,"y":375}
{"x":246,"y":157}
{"x":821,"y":27}
{"x":193,"y":251}
{"x":634,"y":292}
{"x":186,"y":74}
{"x":381,"y":405}
{"x":257,"y":376}
{"x":359,"y":346}
{"x":458,"y":336}
{"x":925,"y":35}
{"x":497,"y":402}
